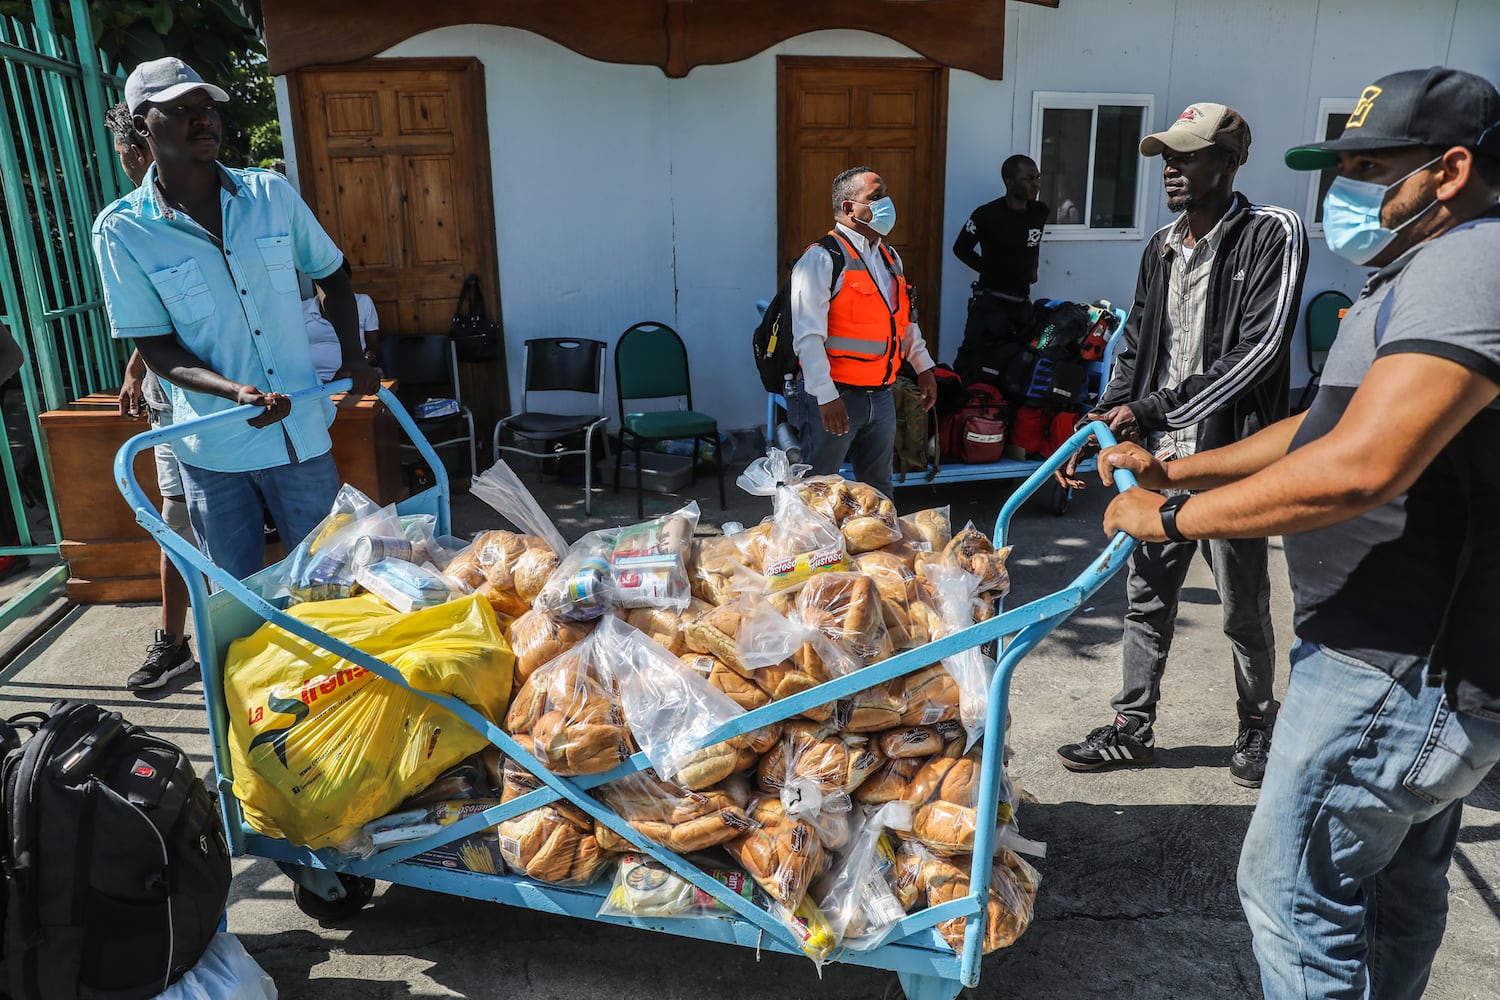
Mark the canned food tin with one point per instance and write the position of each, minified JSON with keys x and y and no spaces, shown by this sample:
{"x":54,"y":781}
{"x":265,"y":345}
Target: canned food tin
{"x":370,"y":549}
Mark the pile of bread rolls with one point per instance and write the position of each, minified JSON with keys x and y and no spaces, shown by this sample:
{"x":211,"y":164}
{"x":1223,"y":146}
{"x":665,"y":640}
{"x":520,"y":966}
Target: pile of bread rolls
{"x":749,"y":797}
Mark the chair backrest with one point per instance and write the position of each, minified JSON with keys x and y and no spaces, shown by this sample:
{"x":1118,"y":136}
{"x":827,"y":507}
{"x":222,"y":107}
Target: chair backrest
{"x":565,"y":364}
{"x":651,"y":363}
{"x":423,"y":364}
{"x":1322,"y":323}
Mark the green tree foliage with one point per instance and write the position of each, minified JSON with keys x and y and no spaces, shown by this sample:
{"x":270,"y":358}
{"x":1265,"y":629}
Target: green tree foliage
{"x":212,"y":36}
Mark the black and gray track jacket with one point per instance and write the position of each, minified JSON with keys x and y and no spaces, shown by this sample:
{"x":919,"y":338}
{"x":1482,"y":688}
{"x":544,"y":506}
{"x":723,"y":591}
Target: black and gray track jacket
{"x":1255,"y":292}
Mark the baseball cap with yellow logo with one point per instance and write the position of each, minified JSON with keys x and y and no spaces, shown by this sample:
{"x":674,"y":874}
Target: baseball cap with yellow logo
{"x":1438,"y":107}
{"x":1199,"y":127}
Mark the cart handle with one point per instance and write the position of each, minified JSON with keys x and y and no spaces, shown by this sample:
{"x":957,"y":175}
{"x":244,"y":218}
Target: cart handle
{"x":1097,"y":429}
{"x":151,"y":520}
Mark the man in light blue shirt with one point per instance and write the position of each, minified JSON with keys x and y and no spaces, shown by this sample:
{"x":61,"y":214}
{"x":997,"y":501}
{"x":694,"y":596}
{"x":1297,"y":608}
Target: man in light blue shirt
{"x":200,"y":269}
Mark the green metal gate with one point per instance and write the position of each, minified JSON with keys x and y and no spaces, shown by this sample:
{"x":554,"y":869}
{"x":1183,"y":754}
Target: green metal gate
{"x":57,"y":170}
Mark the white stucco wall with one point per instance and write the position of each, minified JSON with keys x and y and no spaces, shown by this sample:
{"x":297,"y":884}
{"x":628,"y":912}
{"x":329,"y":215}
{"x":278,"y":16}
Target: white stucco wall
{"x":621,"y":195}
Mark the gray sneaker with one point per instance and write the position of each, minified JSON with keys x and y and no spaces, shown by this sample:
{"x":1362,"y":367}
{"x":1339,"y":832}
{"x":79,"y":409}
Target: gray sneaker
{"x":165,"y":660}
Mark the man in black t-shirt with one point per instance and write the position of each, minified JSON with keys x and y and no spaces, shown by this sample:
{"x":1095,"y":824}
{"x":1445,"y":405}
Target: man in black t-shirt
{"x":1386,"y":492}
{"x":1002,"y":241}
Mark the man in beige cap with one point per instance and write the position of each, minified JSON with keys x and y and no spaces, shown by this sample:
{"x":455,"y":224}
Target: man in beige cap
{"x":1205,"y":363}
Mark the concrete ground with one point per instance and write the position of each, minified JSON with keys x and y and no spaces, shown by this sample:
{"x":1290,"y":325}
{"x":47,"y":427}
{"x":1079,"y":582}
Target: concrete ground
{"x":1138,"y":894}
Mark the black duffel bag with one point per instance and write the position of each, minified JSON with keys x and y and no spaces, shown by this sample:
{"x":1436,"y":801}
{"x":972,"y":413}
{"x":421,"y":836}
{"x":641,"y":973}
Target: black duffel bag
{"x":475,"y":338}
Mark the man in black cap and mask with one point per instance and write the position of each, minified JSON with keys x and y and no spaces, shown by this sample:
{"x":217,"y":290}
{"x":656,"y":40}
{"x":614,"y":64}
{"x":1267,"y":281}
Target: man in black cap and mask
{"x":1386,"y":493}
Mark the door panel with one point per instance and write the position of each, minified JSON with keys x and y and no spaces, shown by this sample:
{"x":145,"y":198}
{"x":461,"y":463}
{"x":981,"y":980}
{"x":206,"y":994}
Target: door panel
{"x":888,"y":113}
{"x":394,"y":159}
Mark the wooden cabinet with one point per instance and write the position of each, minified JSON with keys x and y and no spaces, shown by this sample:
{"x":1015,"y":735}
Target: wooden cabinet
{"x":110,"y":557}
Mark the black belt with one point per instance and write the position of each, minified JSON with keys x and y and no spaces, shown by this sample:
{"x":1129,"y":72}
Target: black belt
{"x":841,"y":387}
{"x":993,"y":293}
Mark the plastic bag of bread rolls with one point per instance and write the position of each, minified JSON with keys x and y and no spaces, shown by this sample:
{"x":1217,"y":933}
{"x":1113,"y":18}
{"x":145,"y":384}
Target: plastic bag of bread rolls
{"x":507,"y":569}
{"x":858,"y":898}
{"x":865,"y":516}
{"x":571,"y":713}
{"x":669,"y":710}
{"x":944,"y":796}
{"x":782,"y":853}
{"x":712,"y":563}
{"x":846,"y":607}
{"x":649,"y":561}
{"x":896,"y":583}
{"x":582,"y":587}
{"x":555,"y":843}
{"x":666,"y":626}
{"x":928,"y":696}
{"x":800,"y":542}
{"x":1008,"y":911}
{"x":971,"y":550}
{"x":955,"y":592}
{"x":537,"y":638}
{"x":928,"y":530}
{"x":673,"y":816}
{"x":502,"y":489}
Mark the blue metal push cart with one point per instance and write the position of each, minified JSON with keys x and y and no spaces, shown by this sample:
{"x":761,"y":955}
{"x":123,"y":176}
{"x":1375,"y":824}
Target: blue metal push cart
{"x":327,"y":885}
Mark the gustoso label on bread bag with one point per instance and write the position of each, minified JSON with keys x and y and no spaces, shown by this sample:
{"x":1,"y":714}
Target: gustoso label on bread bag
{"x":790,"y":572}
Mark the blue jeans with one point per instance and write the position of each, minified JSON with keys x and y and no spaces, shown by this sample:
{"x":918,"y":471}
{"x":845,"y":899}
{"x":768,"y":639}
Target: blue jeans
{"x":868,"y":444}
{"x":225,"y":508}
{"x":1343,"y":875}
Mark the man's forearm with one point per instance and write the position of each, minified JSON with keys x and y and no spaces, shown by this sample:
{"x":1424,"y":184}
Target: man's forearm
{"x":171,"y":361}
{"x":1221,"y":466}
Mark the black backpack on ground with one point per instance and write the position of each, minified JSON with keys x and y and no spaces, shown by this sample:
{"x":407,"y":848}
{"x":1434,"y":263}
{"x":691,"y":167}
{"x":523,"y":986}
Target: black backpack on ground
{"x":774,"y":357}
{"x":116,"y":868}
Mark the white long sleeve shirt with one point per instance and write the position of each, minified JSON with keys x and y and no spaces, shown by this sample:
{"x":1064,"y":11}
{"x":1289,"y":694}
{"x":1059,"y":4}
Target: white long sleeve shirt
{"x":810,"y":297}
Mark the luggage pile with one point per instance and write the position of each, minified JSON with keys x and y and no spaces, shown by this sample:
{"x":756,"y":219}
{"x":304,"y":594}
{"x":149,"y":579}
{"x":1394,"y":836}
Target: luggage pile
{"x":649,"y":637}
{"x":1020,"y":397}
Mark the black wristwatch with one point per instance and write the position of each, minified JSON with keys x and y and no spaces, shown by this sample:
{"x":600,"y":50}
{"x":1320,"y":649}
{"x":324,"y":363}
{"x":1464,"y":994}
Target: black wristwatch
{"x":1169,"y":516}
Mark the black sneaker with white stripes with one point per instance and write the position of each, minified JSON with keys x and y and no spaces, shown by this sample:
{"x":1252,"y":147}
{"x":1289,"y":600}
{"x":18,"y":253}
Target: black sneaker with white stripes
{"x":168,"y":658}
{"x":1124,"y":742}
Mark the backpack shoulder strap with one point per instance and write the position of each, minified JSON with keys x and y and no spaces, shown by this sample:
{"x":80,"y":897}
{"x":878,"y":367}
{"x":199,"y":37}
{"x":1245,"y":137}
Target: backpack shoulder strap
{"x":835,"y":247}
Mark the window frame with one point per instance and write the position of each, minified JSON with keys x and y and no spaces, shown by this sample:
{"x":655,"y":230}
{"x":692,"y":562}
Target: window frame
{"x":1059,"y":100}
{"x":1326,"y":106}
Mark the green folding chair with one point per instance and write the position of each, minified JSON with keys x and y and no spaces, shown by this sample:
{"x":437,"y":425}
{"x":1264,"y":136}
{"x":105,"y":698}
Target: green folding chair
{"x":1321,"y":323}
{"x":651,"y":363}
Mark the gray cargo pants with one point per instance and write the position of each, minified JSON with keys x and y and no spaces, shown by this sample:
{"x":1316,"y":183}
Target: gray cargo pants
{"x":1156,"y":574}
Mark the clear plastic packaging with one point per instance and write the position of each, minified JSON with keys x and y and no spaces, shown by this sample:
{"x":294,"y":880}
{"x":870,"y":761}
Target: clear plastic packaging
{"x":673,"y":816}
{"x":404,"y":586}
{"x":324,"y":565}
{"x":1008,"y":910}
{"x":507,"y":569}
{"x":846,"y":607}
{"x":928,"y":530}
{"x":649,"y":561}
{"x":499,"y":487}
{"x":955,"y":591}
{"x":864,"y":515}
{"x":782,"y":853}
{"x":896,"y":584}
{"x":801,"y":542}
{"x":669,"y":710}
{"x":859,"y":900}
{"x":582,"y":587}
{"x":537,"y":638}
{"x":571,"y":712}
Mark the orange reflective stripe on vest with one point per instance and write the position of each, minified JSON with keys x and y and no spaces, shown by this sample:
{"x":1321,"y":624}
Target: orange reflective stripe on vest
{"x":864,"y":334}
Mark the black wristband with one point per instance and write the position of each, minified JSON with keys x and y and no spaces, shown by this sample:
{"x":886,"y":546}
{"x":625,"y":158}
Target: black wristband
{"x":1169,"y":516}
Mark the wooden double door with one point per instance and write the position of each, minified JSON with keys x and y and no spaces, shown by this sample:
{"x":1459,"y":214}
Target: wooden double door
{"x":888,"y":114}
{"x":394,"y":158}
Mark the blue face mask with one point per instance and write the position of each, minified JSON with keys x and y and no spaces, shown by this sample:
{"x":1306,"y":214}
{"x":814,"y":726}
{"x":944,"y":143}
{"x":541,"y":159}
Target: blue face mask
{"x":882,"y":215}
{"x":1351,"y":217}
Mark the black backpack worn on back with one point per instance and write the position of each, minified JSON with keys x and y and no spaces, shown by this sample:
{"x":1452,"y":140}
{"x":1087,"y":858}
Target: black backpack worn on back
{"x":116,"y":867}
{"x":774,"y":357}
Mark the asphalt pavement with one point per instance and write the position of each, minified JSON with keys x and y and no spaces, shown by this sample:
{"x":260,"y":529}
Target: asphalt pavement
{"x":1138,"y":893}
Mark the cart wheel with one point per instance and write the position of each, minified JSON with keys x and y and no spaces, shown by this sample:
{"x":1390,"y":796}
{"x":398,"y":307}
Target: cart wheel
{"x":357,"y":892}
{"x":1061,"y":497}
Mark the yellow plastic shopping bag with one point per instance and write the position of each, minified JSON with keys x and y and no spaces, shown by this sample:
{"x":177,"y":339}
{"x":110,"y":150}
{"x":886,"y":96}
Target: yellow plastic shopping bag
{"x":321,"y":746}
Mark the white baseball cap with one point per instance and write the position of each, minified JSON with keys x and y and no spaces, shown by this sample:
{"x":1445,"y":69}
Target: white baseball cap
{"x":164,"y":79}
